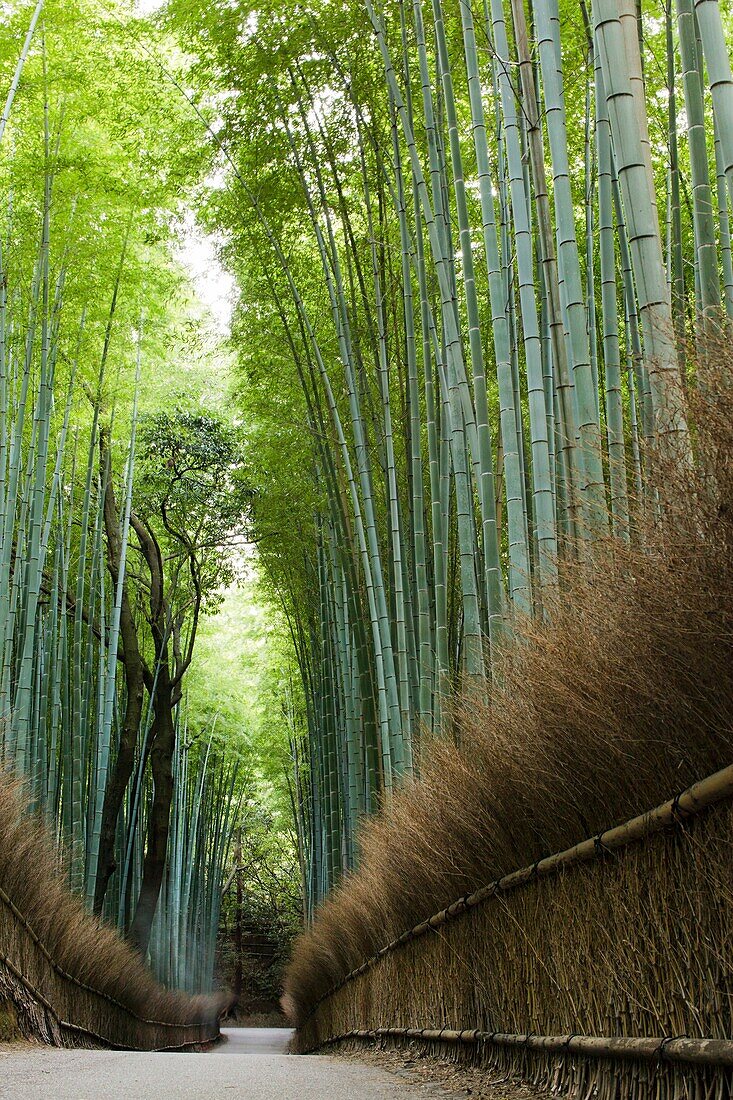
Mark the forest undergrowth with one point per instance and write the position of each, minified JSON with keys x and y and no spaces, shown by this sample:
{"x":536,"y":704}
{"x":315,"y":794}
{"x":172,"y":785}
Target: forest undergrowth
{"x":618,"y":702}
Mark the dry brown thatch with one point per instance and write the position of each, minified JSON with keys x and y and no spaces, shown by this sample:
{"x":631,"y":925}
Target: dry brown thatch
{"x":636,"y":945}
{"x":623,"y":700}
{"x":62,"y":966}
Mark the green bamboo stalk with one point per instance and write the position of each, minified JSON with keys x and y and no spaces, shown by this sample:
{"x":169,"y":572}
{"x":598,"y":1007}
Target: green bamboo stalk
{"x":654,"y":305}
{"x":629,"y":293}
{"x":19,"y":67}
{"x":417,"y":510}
{"x":523,"y":236}
{"x":676,"y":262}
{"x":461,"y":398}
{"x":724,"y":222}
{"x":609,"y":310}
{"x":629,"y":14}
{"x":329,"y":256}
{"x":486,"y":488}
{"x":395,"y":523}
{"x":706,"y":252}
{"x":509,"y":404}
{"x":33,"y":561}
{"x":439,"y":534}
{"x":547,"y":16}
{"x":590,"y":180}
{"x":720,"y":79}
{"x":15,"y":499}
{"x":110,"y":678}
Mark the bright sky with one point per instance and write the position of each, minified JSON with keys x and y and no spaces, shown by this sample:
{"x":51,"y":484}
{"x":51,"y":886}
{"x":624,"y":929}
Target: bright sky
{"x":146,"y":7}
{"x":213,"y":285}
{"x":197,"y":252}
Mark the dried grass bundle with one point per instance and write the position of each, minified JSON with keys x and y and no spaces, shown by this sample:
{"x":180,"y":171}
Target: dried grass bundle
{"x":624,"y":698}
{"x":98,"y":982}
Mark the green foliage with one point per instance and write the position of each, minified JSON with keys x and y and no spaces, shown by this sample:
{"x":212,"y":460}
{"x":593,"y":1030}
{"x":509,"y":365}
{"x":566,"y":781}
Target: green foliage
{"x":192,"y":480}
{"x":98,"y":165}
{"x":447,"y":334}
{"x":242,"y":669}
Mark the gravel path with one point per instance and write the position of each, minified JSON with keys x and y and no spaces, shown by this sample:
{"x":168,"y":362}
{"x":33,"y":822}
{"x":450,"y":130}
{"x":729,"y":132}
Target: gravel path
{"x":251,"y":1064}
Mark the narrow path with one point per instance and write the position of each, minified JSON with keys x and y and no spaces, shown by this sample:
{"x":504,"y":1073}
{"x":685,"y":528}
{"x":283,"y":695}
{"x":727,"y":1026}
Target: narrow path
{"x":250,"y":1064}
{"x":254,"y":1040}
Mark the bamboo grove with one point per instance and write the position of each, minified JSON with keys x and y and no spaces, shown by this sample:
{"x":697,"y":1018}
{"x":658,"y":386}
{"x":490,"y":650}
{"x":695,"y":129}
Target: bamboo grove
{"x":483,"y":250}
{"x":97,"y":621}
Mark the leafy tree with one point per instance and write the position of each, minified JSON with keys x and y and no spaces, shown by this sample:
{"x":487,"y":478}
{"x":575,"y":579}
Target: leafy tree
{"x":261,"y":899}
{"x":191,"y":511}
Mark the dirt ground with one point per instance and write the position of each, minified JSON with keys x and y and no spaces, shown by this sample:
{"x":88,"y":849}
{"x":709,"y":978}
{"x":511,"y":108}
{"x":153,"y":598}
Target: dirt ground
{"x":18,"y":1046}
{"x":451,"y":1080}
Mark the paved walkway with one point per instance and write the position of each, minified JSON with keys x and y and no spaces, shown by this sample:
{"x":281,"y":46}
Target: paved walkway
{"x":250,"y":1064}
{"x":254,"y":1040}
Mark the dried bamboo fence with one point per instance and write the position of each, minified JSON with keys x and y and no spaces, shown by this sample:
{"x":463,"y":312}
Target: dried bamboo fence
{"x":604,"y":970}
{"x":70,"y":979}
{"x":59,"y":1009}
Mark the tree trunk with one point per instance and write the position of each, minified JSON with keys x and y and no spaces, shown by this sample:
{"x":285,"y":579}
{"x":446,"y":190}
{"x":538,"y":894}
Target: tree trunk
{"x":134,"y":682}
{"x":161,"y":759}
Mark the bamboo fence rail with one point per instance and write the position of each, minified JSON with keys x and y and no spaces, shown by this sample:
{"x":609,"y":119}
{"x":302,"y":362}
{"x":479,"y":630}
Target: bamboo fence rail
{"x":702,"y":1052}
{"x":609,"y":978}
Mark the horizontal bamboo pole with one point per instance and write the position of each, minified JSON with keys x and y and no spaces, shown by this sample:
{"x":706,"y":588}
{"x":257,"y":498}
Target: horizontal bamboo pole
{"x":701,"y":1052}
{"x":692,"y":801}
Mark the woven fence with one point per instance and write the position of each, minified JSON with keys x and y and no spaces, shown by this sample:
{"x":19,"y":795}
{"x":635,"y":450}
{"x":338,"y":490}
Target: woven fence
{"x":605,"y":970}
{"x":71,"y":980}
{"x":56,"y":1007}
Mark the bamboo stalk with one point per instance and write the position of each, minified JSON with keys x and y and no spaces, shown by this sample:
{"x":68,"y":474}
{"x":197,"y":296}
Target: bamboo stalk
{"x":19,"y":67}
{"x":644,"y":238}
